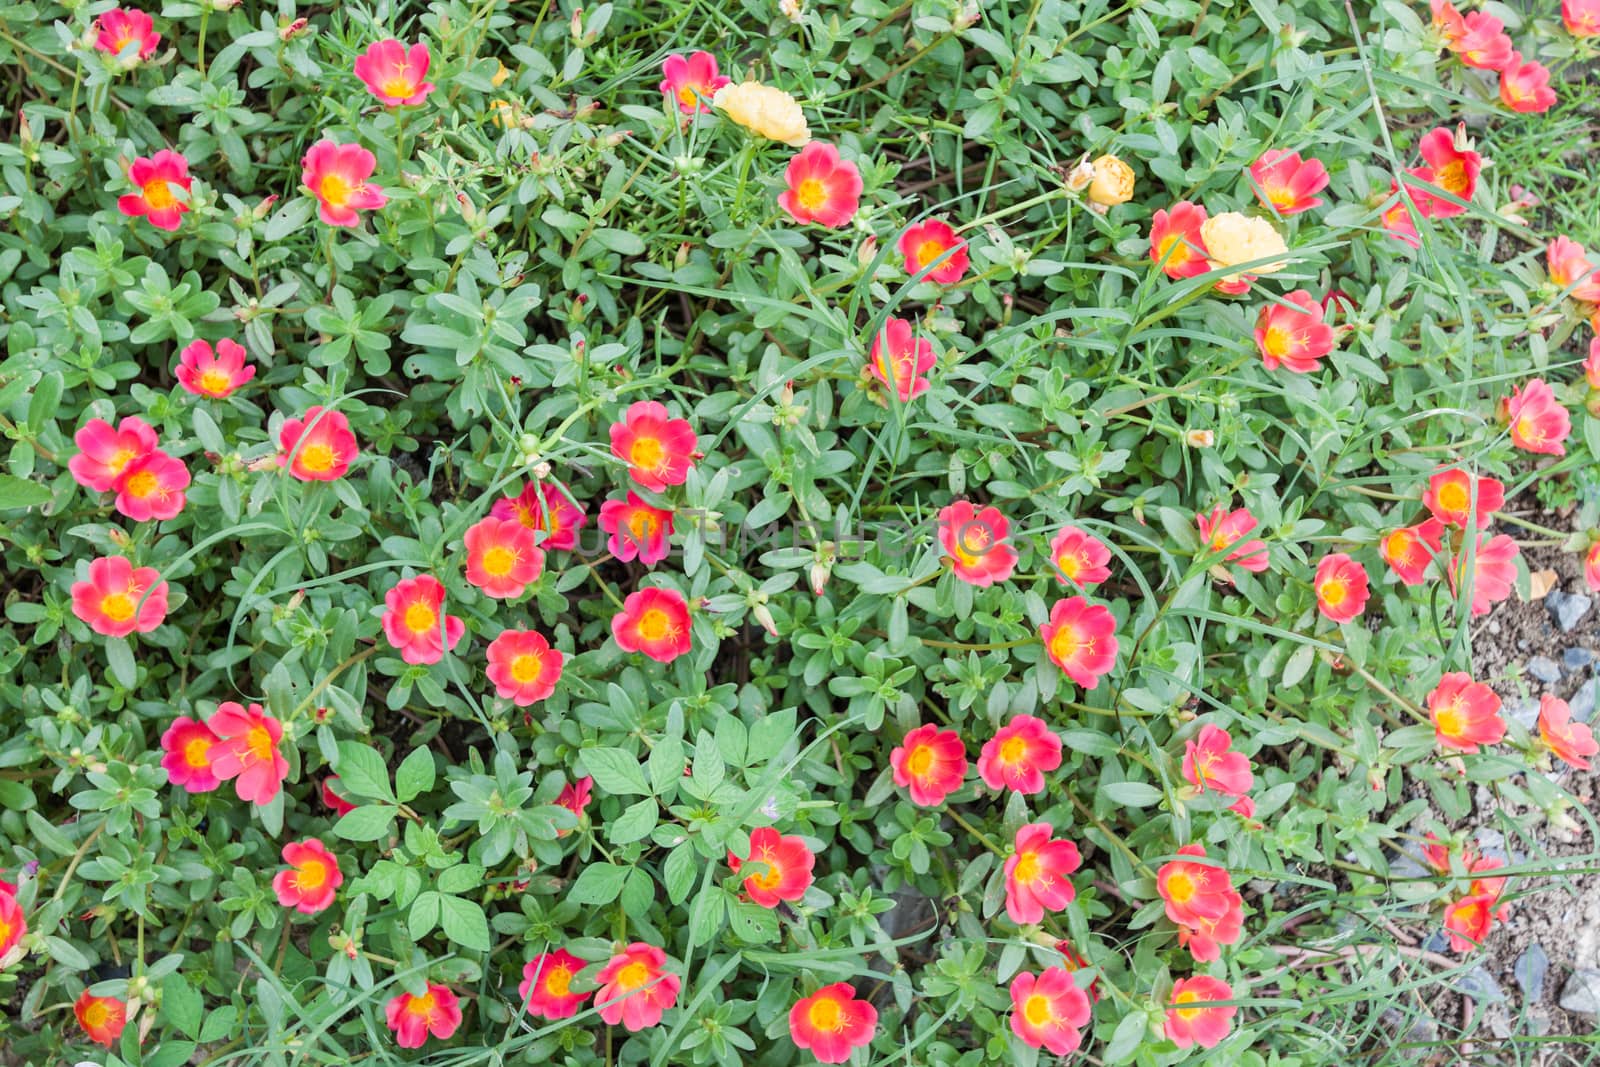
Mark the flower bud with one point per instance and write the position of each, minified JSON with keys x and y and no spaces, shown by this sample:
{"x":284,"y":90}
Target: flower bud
{"x":1112,"y":184}
{"x":297,"y":28}
{"x":1199,"y":438}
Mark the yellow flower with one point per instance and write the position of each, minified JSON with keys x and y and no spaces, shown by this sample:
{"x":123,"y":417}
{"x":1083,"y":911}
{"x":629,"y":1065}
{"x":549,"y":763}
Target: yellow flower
{"x":500,"y":74}
{"x":1232,"y":238}
{"x":764,"y":111}
{"x":1113,"y":182}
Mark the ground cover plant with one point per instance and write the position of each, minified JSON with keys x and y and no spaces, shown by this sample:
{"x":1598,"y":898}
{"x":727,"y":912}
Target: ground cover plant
{"x":772,"y":533}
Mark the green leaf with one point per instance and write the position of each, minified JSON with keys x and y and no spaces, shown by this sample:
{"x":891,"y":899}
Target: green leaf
{"x":362,"y":772}
{"x":220,"y":1024}
{"x":119,"y":658}
{"x":616,"y":771}
{"x":66,"y":954}
{"x":599,"y":883}
{"x":415,"y":775}
{"x":462,"y":878}
{"x":368,"y":823}
{"x":1128,"y":1037}
{"x":679,"y":872}
{"x":21,"y":493}
{"x":424,"y":914}
{"x":464,"y":923}
{"x":634,"y":824}
{"x":1132,"y":794}
{"x":182,"y":1005}
{"x":666,"y":765}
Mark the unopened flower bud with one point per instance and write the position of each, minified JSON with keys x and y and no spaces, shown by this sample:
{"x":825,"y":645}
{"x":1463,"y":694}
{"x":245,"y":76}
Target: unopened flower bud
{"x":1199,"y":438}
{"x":292,"y":30}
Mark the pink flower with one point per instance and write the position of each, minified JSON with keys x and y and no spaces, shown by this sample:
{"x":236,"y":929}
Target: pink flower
{"x":502,"y":559}
{"x":1525,"y":86}
{"x":638,"y":529}
{"x":1080,"y":558}
{"x":151,"y":487}
{"x":1036,"y":874}
{"x":412,"y":621}
{"x":126,"y":33}
{"x":217,"y":376}
{"x":1295,"y":340}
{"x":976,"y":542}
{"x":655,"y":622}
{"x":1465,"y":713}
{"x":1494,"y":571}
{"x":832,"y":1023}
{"x":336,"y":174}
{"x":1019,"y":754}
{"x":164,"y":183}
{"x":691,"y":81}
{"x":822,"y":187}
{"x":1188,"y":1026}
{"x":105,"y":454}
{"x":930,"y":763}
{"x":313,"y":877}
{"x":1225,"y":530}
{"x":1450,"y":497}
{"x":547,"y":985}
{"x":523,"y":667}
{"x":1539,"y":423}
{"x":319,"y":447}
{"x":119,"y":599}
{"x":1341,"y":587}
{"x":413,"y":1018}
{"x":188,"y":745}
{"x":1571,"y":741}
{"x":658,"y":449}
{"x":394,"y":74}
{"x":780,"y":867}
{"x":1209,"y":762}
{"x":926,"y":243}
{"x":248,"y":751}
{"x":635,"y":988}
{"x":898,"y":360}
{"x":1081,"y":639}
{"x":1452,"y":165}
{"x":1286,"y":183}
{"x":1591,"y":567}
{"x":544,"y":507}
{"x":1050,"y":1011}
{"x":330,"y":796}
{"x":1582,"y":17}
{"x":1570,"y":268}
{"x":1409,"y":549}
{"x":1484,"y":44}
{"x":1397,"y":221}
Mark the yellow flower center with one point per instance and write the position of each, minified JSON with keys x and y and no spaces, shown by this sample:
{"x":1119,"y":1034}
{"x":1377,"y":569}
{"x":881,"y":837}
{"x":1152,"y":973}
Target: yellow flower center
{"x":1528,"y":430}
{"x":687,"y":97}
{"x":526,"y":668}
{"x":1027,"y":868}
{"x":95,"y":1015}
{"x":1451,"y":719}
{"x":1013,"y":750}
{"x":654,"y":625}
{"x":1277,"y":341}
{"x":259,"y":743}
{"x":499,"y":560}
{"x":1187,"y":997}
{"x":123,"y":457}
{"x":1180,"y":888}
{"x":158,"y":194}
{"x":423,"y":1005}
{"x":1173,"y":251}
{"x":197,"y":753}
{"x":633,"y":976}
{"x":1281,"y":197}
{"x":1036,"y":1009}
{"x":920,"y":762}
{"x":313,"y":874}
{"x":646,"y":453}
{"x":927,"y":252}
{"x":399,"y":86}
{"x":1452,"y":176}
{"x":642,"y":524}
{"x":317,"y":457}
{"x":1453,"y":496}
{"x":1335,"y":591}
{"x":216,"y":381}
{"x":421,"y":619}
{"x":770,"y":875}
{"x":825,"y":1014}
{"x":118,"y":607}
{"x":1065,"y":643}
{"x":812,"y":194}
{"x":1069,"y":565}
{"x":558,"y":981}
{"x":144,"y":484}
{"x":335,"y":189}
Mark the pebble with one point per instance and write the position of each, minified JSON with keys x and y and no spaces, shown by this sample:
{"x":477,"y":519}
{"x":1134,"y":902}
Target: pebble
{"x":1567,"y":608}
{"x":1581,"y":994}
{"x":1413,"y":1029}
{"x":1530,"y":970}
{"x":1479,"y":984}
{"x":1582,"y":701}
{"x":1544,"y":669}
{"x":1576,"y":659}
{"x":1523,"y":711}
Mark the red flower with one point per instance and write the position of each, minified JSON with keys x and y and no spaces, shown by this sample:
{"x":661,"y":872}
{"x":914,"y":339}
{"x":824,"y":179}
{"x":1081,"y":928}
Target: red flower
{"x":247,"y":751}
{"x":1175,"y":241}
{"x":217,"y":375}
{"x":1409,"y":549}
{"x":544,"y":506}
{"x":899,"y":362}
{"x":547,"y":985}
{"x":523,"y":667}
{"x":691,"y":81}
{"x":119,"y":599}
{"x":1582,"y":17}
{"x":336,"y":174}
{"x":1286,"y":183}
{"x":1452,"y":166}
{"x":126,"y":33}
{"x":1397,"y":221}
{"x":188,"y":745}
{"x":1447,"y":22}
{"x":1292,"y":339}
{"x":152,"y":487}
{"x":332,"y":799}
{"x":1571,"y":741}
{"x":1189,"y":1026}
{"x":412,"y":621}
{"x":1194,"y":892}
{"x":1465,"y":713}
{"x":13,"y":923}
{"x":319,"y":447}
{"x":925,"y":243}
{"x":782,"y":867}
{"x":1036,"y":874}
{"x":395,"y":74}
{"x":1049,"y":1011}
{"x":102,"y":1018}
{"x":655,"y":622}
{"x":976,"y":542}
{"x":1538,"y":421}
{"x":575,"y":798}
{"x":1019,"y":754}
{"x":1224,"y":530}
{"x":1450,"y":497}
{"x":822,"y":187}
{"x":1079,"y":558}
{"x":1469,"y":919}
{"x":312,"y":879}
{"x":104,"y":454}
{"x":163,"y":181}
{"x":1525,"y":86}
{"x":502,"y":559}
{"x":832,"y":1022}
{"x":1569,"y":267}
{"x":638,"y":529}
{"x":1209,"y":762}
{"x":931,"y":763}
{"x":635,"y":988}
{"x":1483,"y":43}
{"x":658,"y":449}
{"x":1341,"y":586}
{"x":1081,"y":639}
{"x":413,"y":1018}
{"x":1494,"y":571}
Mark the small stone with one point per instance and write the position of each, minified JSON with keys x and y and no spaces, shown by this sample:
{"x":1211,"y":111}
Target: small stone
{"x":1413,"y":1029}
{"x":1576,"y":659}
{"x":1524,"y":711}
{"x":1567,"y":608}
{"x":1479,"y":984}
{"x":1582,"y":702}
{"x":1438,"y":941}
{"x":1544,"y":669}
{"x":1581,"y":994}
{"x":1530,"y":969}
